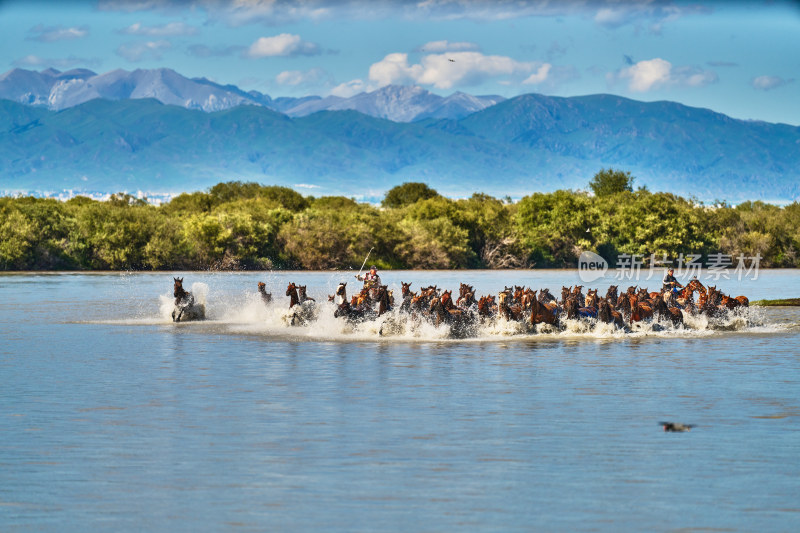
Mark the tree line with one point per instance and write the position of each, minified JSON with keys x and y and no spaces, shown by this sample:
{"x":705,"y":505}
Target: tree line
{"x":236,"y":225}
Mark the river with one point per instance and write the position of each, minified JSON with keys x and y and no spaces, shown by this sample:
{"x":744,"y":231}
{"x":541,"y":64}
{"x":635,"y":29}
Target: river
{"x":114,"y":418}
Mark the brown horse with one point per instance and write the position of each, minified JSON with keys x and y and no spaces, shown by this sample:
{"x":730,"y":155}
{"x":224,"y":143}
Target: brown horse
{"x":565,"y":292}
{"x":507,"y":310}
{"x":291,"y":292}
{"x":661,"y":309}
{"x":591,"y":298}
{"x":577,"y":292}
{"x":571,"y":308}
{"x":639,"y":311}
{"x":382,"y":297}
{"x":302,"y":295}
{"x":185,"y":306}
{"x":543,"y":313}
{"x":444,"y":311}
{"x":545,"y":296}
{"x":607,"y":314}
{"x":487,"y":308}
{"x":611,"y":293}
{"x":466,"y":296}
{"x":266,"y":297}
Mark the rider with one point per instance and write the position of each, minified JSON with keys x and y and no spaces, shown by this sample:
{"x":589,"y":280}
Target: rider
{"x":371,"y":279}
{"x":669,"y":282}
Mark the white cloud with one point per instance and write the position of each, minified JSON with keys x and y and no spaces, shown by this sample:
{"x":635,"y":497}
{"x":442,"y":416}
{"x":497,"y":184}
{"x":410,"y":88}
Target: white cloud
{"x":435,"y":47}
{"x":350,"y":88}
{"x":164,"y":30}
{"x":444,"y":71}
{"x":284,"y":44}
{"x":693,"y":76}
{"x":539,"y":76}
{"x":34,"y":61}
{"x":767,"y":83}
{"x":611,"y":17}
{"x":646,"y":75}
{"x":299,"y":77}
{"x":50,"y":34}
{"x":394,"y":69}
{"x":657,"y":73}
{"x":135,"y":52}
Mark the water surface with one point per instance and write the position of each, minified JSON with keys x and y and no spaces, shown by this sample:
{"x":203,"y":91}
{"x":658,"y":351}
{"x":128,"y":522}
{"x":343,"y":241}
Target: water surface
{"x":114,"y":418}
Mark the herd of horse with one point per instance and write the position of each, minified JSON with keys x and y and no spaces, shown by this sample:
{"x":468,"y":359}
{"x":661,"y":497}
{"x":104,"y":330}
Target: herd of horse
{"x":513,"y":304}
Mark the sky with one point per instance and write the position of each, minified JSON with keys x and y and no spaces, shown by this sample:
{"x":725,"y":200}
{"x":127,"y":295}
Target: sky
{"x":738,"y":58}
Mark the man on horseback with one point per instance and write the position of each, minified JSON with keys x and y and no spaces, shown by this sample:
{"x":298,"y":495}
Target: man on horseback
{"x":669,"y":282}
{"x":371,"y":280}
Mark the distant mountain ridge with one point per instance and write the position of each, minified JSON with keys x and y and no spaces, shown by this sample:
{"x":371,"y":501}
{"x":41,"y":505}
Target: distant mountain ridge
{"x":61,"y":90}
{"x":518,"y":146}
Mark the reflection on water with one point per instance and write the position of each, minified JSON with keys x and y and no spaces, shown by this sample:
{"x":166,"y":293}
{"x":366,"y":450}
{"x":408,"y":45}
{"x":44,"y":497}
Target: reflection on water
{"x":116,"y":419}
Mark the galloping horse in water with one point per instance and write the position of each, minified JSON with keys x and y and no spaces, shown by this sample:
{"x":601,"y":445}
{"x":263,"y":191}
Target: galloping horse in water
{"x":266,"y":297}
{"x":185,"y":307}
{"x":546,"y":313}
{"x":301,"y":308}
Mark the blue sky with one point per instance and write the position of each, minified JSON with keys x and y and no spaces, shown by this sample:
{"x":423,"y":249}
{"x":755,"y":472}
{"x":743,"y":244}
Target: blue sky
{"x":738,"y":58}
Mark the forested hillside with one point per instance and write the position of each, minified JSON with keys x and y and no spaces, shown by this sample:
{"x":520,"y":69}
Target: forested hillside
{"x":237,"y":225}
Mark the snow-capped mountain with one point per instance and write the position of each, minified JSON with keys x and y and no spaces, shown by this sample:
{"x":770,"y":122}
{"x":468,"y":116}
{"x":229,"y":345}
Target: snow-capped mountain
{"x":61,"y":90}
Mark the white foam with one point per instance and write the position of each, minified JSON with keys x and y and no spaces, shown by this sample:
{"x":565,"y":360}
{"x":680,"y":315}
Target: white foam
{"x":246,"y":313}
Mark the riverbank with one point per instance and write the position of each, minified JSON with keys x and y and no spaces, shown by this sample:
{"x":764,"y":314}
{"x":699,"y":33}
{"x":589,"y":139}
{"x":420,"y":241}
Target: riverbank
{"x":786,"y":302}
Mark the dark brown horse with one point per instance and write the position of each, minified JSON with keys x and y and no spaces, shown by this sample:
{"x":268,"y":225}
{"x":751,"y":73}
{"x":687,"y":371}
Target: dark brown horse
{"x":545,"y":296}
{"x":291,"y":292}
{"x":507,"y":310}
{"x":185,"y":306}
{"x":661,"y":309}
{"x":443,"y":311}
{"x":487,"y":308}
{"x":611,"y":294}
{"x":382,"y":297}
{"x":266,"y":297}
{"x":302,"y":295}
{"x":607,"y":314}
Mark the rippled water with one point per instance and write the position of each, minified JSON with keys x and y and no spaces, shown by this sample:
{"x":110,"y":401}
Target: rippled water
{"x":114,"y":418}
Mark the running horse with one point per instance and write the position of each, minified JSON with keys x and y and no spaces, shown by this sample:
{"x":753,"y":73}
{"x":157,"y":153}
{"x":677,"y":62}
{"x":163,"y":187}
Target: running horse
{"x":542,"y":313}
{"x":266,"y":297}
{"x":662,"y":308}
{"x":186,"y":308}
{"x":607,"y":314}
{"x":443,"y":311}
{"x":301,"y":308}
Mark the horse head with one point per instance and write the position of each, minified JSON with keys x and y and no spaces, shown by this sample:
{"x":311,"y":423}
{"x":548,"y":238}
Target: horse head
{"x":405,"y":289}
{"x":292,"y":288}
{"x":611,"y":294}
{"x":502,"y":296}
{"x":177,"y":288}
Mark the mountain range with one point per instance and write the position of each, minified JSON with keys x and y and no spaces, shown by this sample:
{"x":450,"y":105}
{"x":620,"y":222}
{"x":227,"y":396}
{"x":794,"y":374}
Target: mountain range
{"x":512,"y":147}
{"x":57,"y":90}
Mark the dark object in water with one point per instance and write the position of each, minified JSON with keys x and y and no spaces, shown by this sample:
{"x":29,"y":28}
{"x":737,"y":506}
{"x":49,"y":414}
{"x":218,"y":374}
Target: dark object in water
{"x":676,"y":426}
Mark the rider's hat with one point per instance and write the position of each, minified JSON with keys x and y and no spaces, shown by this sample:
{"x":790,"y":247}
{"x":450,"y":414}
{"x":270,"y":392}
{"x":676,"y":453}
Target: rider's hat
{"x":373,"y":267}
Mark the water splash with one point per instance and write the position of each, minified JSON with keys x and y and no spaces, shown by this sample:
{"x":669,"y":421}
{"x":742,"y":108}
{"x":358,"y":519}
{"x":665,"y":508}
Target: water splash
{"x":246,"y":313}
